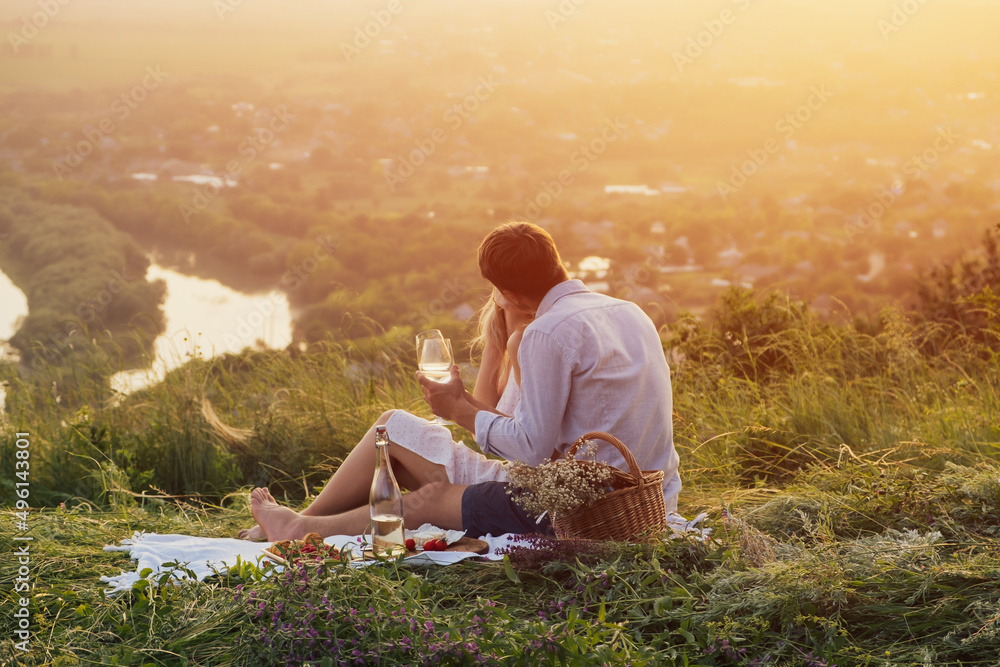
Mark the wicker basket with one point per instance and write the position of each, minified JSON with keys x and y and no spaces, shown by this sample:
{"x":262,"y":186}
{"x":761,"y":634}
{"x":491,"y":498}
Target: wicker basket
{"x":633,"y":510}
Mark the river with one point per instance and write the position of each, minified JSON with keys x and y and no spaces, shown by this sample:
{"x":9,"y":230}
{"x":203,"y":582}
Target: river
{"x":13,"y":307}
{"x":205,"y":318}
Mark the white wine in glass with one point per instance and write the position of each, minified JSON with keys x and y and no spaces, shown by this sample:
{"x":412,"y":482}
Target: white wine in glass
{"x":434,"y":359}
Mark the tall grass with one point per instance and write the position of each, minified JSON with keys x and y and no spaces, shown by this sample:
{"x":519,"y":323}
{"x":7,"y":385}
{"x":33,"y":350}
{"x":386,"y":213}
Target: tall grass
{"x":296,"y":415}
{"x":856,"y":563}
{"x":761,"y":395}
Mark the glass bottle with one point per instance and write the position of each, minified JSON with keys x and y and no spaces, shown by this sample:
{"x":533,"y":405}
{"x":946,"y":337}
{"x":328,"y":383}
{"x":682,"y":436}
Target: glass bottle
{"x":385,"y":500}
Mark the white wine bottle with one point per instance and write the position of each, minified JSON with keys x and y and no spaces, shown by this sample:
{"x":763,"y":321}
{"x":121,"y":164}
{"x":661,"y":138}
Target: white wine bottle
{"x":385,"y":500}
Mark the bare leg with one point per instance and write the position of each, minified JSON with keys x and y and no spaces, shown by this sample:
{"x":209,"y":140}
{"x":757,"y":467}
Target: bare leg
{"x":351,"y":483}
{"x":436,"y":503}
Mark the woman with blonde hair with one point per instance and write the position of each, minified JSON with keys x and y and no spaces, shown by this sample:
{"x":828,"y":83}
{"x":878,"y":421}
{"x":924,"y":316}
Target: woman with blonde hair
{"x":424,"y":452}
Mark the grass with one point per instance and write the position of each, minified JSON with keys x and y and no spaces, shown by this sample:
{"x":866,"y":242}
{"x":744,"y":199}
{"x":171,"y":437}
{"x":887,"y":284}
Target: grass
{"x":850,"y":477}
{"x":861,"y":563}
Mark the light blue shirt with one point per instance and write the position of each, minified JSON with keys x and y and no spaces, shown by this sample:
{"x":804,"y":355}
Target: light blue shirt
{"x":589,"y":362}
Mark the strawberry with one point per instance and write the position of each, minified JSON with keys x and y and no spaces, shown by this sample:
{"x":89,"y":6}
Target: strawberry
{"x":410,"y":544}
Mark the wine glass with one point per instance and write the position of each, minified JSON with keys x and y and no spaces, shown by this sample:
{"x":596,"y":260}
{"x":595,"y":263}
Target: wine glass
{"x":434,"y":359}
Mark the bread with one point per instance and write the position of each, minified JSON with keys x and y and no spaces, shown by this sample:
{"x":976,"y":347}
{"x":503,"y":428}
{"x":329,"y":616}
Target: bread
{"x":278,"y":547}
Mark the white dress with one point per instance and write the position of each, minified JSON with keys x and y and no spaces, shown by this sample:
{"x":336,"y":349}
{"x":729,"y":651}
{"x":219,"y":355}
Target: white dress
{"x":462,"y":464}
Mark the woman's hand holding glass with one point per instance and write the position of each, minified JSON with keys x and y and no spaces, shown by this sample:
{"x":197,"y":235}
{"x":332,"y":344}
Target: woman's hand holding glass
{"x":435,"y":359}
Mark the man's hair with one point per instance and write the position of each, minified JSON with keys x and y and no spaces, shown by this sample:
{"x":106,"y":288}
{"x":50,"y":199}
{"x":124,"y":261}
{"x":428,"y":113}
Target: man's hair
{"x":521,"y":257}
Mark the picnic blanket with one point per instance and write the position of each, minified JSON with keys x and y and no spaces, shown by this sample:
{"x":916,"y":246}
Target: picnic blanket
{"x":205,"y":556}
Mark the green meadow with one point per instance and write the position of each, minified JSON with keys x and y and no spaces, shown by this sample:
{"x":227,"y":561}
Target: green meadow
{"x":847,"y":467}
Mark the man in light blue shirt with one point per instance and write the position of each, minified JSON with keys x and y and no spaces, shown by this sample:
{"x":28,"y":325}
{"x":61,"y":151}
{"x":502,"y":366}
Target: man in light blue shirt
{"x":588,"y":362}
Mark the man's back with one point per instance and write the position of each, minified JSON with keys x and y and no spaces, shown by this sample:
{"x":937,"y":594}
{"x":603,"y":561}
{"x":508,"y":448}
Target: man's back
{"x":591,"y":363}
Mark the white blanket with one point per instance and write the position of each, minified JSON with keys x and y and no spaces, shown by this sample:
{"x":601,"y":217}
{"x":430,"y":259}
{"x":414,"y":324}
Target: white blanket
{"x":206,"y":556}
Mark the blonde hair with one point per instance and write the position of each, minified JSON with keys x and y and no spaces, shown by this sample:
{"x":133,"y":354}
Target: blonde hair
{"x":491,"y":326}
{"x":491,"y":330}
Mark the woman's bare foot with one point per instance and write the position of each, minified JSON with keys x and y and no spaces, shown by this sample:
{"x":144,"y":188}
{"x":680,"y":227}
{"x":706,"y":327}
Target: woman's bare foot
{"x":255,"y":534}
{"x":276,"y":522}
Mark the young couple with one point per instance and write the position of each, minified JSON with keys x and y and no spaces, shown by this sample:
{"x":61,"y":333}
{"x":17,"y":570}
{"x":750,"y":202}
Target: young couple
{"x":558,"y":361}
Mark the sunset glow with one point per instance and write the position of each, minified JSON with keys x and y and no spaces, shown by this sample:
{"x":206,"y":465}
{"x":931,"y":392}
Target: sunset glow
{"x":240,"y":238}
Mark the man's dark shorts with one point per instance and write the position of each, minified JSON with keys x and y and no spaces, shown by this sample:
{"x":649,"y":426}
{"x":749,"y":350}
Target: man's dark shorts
{"x":487,"y":509}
